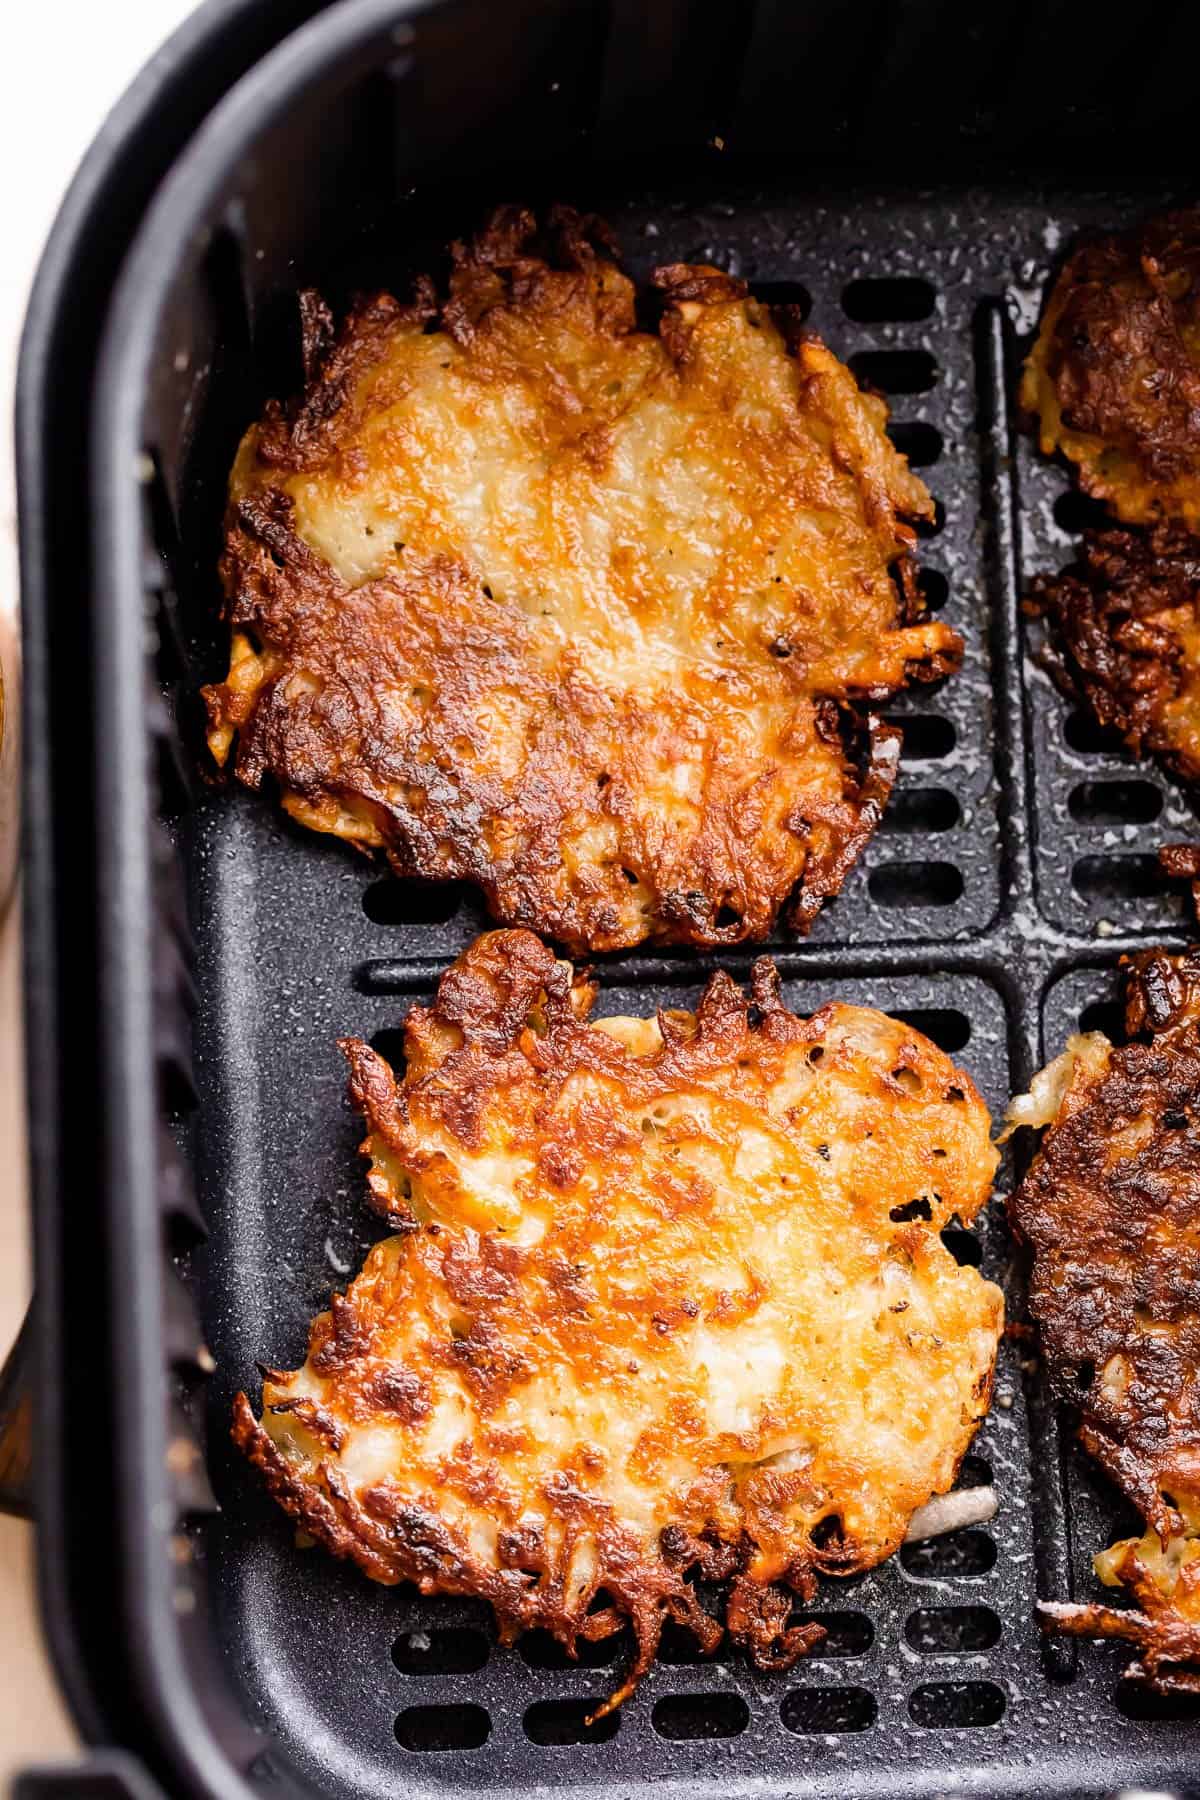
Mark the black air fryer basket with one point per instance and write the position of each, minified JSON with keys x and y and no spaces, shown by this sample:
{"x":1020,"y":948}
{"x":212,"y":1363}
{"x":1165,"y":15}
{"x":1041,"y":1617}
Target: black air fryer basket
{"x":909,"y":173}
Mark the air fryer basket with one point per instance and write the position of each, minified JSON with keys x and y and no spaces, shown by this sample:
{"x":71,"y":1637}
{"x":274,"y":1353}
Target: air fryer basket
{"x":824,"y":155}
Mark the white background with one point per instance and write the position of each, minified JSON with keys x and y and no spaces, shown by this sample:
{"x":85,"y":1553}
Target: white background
{"x":63,"y":67}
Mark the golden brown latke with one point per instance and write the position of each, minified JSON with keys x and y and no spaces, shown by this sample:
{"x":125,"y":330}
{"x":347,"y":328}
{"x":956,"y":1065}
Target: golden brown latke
{"x":666,"y":1296}
{"x":527,"y":596}
{"x":1114,"y":376}
{"x":1111,"y":1208}
{"x":1125,"y":620}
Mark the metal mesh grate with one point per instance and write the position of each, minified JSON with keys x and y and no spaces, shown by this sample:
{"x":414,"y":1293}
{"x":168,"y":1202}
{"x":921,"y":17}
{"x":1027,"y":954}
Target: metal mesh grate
{"x":934,"y":1660}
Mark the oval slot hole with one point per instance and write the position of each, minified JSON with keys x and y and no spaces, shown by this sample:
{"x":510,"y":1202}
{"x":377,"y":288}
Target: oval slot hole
{"x":951,"y":1705}
{"x":921,"y":809}
{"x":395,"y":902}
{"x":935,"y":588}
{"x":443,"y":1650}
{"x":920,"y":442}
{"x":177,"y":1087}
{"x":927,"y":737}
{"x":896,"y":371}
{"x":1115,"y":802}
{"x":931,"y":528}
{"x":1107,"y":1016}
{"x":184,"y":1232}
{"x":679,"y":1647}
{"x":944,"y":1026}
{"x":389,"y":1044}
{"x":915,"y":884}
{"x":565,"y":1722}
{"x":828,"y":1709}
{"x":963,"y":1246}
{"x":880,"y":299}
{"x":542,"y":1651}
{"x":443,"y":1727}
{"x":1118,"y":878}
{"x":684,"y":1716}
{"x":959,"y":1553}
{"x":1075,"y":513}
{"x":950,"y":1630}
{"x":1086,"y":734}
{"x":783,"y":293}
{"x":846,"y":1633}
{"x":1136,"y":1702}
{"x":973,"y":1472}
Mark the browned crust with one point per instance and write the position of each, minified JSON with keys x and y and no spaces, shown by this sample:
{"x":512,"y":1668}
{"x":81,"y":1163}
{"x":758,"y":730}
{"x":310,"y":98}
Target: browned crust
{"x":1114,"y":374}
{"x":1168,"y":1644}
{"x":1110,"y":1235}
{"x":1182,"y":863}
{"x":1124,"y":622}
{"x":786,"y":816}
{"x":826,"y":871}
{"x":486,"y":999}
{"x":1111,"y":1210}
{"x":393,"y":1540}
{"x":304,"y":436}
{"x":510,"y":1019}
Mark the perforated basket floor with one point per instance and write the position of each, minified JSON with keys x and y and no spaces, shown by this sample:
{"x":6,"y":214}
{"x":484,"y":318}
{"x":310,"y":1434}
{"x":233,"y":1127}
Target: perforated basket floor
{"x":1014,"y":865}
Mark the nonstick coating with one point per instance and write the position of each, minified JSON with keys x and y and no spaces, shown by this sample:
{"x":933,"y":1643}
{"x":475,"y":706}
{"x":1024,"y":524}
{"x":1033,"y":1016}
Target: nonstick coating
{"x":297,"y":941}
{"x":1013,"y":869}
